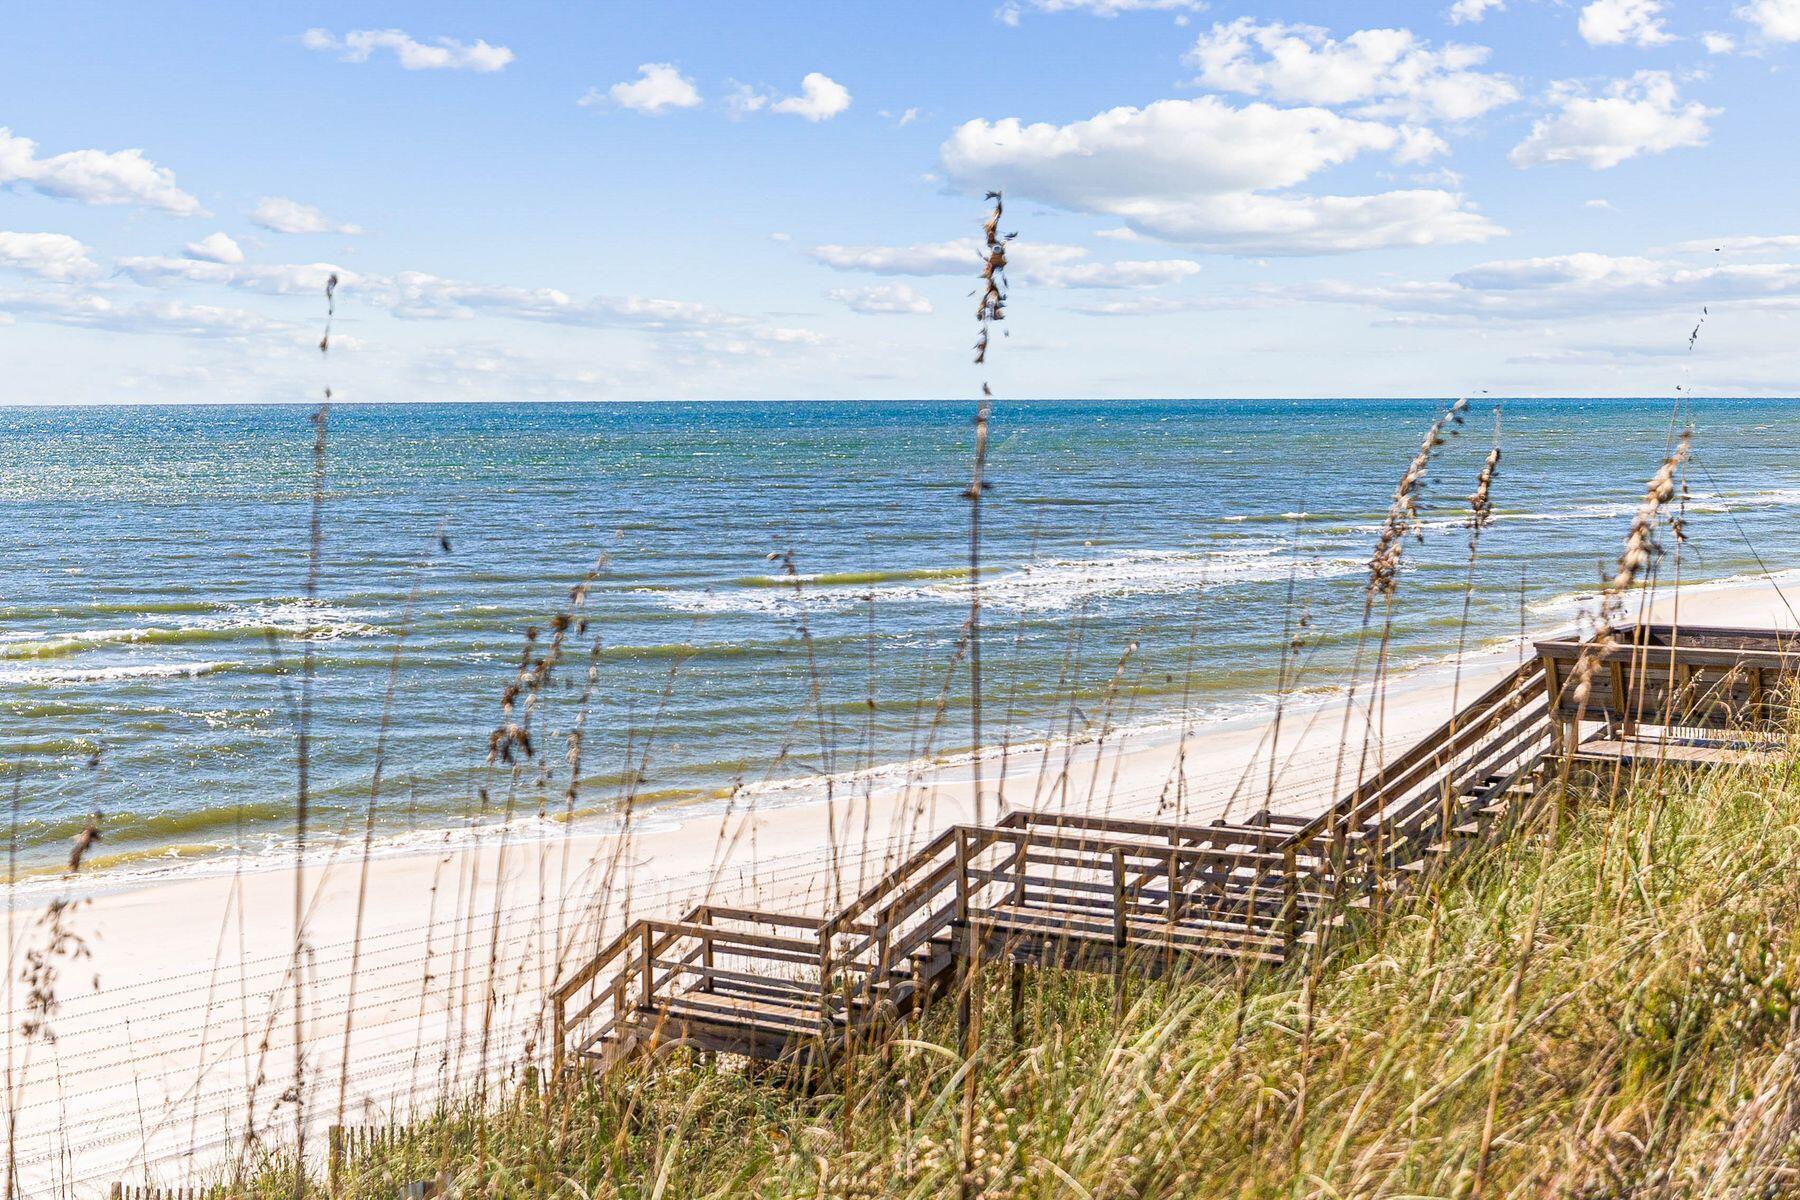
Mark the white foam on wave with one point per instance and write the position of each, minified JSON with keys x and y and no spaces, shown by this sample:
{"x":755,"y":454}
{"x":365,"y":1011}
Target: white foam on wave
{"x":1053,"y":585}
{"x":315,"y":621}
{"x":49,"y":675}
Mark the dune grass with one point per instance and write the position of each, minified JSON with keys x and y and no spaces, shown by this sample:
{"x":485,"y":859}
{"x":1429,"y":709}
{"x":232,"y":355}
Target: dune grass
{"x":1651,"y":1050}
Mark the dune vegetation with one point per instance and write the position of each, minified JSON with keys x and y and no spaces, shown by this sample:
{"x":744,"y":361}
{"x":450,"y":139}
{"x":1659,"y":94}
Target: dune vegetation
{"x":1600,"y":1005}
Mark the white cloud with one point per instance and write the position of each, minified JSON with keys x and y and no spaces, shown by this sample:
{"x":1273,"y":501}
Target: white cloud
{"x":96,"y":310}
{"x":1754,"y":244}
{"x":1615,"y":22}
{"x":1572,"y":287}
{"x":1201,"y":172}
{"x":443,"y":54}
{"x":1718,"y":43}
{"x":1777,"y":20}
{"x":821,"y":98}
{"x":883,"y":298}
{"x":907,"y":117}
{"x":215,"y":247}
{"x":1034,"y":264}
{"x":1602,"y":205}
{"x":292,"y":279}
{"x":658,"y":86}
{"x":278,"y":214}
{"x":48,"y":255}
{"x":743,"y":100}
{"x":931,"y":258}
{"x":420,"y":296}
{"x":1472,"y":11}
{"x":93,"y":176}
{"x":1385,"y":72}
{"x":1121,"y":234}
{"x":1418,"y":144}
{"x":1640,"y":115}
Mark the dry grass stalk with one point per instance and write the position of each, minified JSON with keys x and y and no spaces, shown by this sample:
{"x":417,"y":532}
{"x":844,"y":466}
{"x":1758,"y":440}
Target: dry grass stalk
{"x":1402,"y":519}
{"x":1638,"y":556}
{"x":990,"y":309}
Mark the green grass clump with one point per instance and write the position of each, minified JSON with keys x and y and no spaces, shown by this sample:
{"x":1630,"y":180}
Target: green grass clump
{"x":1650,"y":1049}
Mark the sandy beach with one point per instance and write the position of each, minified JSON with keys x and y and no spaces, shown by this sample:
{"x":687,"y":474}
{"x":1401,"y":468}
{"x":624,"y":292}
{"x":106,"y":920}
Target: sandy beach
{"x":174,"y":1042}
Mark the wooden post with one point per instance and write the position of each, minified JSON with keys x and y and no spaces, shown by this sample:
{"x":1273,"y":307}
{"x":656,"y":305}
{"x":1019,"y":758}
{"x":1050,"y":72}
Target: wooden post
{"x":963,"y":1013}
{"x":1290,"y":904}
{"x":1559,"y":739}
{"x":1118,"y":874}
{"x":825,"y":998}
{"x":1621,"y":698}
{"x":559,"y":1034}
{"x":648,"y":972}
{"x":1174,"y":912}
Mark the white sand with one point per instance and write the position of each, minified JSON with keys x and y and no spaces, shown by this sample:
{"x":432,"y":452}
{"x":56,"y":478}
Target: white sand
{"x":154,"y":1073}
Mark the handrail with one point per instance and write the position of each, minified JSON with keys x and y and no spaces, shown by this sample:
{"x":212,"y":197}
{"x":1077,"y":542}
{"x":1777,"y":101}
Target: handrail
{"x":1514,"y":682}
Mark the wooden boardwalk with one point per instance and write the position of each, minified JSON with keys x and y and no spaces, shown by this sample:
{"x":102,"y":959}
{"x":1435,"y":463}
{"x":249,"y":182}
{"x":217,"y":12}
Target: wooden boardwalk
{"x":1134,"y":897}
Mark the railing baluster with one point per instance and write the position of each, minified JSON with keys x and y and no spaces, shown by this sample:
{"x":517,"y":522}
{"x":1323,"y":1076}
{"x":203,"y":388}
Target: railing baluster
{"x":1118,"y":875}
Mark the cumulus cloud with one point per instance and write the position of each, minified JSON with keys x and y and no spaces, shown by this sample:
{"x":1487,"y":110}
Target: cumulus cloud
{"x":278,"y":214}
{"x":1203,"y":173}
{"x":1472,"y":11}
{"x":47,"y":255}
{"x":659,"y":86}
{"x":883,"y":298}
{"x":1615,"y":22}
{"x":821,"y":98}
{"x":1718,"y":43}
{"x":1039,"y":264}
{"x":442,"y":54}
{"x":215,"y":247}
{"x":1777,"y":20}
{"x":93,"y":176}
{"x":1640,"y":115}
{"x":1384,"y":72}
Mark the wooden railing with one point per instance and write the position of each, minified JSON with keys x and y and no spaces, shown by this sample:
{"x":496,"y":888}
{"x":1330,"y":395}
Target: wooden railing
{"x":1085,"y":891}
{"x":1682,"y":684}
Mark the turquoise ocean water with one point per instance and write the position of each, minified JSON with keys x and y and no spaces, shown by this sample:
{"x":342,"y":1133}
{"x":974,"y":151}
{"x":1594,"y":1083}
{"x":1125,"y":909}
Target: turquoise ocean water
{"x":152,"y":568}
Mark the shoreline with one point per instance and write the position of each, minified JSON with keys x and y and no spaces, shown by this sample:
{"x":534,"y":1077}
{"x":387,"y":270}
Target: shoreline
{"x":157,"y":867}
{"x":436,"y":961}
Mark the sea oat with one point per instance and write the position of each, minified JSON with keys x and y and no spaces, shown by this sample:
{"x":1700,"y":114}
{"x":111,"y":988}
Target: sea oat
{"x":1402,"y":519}
{"x":1640,"y":552}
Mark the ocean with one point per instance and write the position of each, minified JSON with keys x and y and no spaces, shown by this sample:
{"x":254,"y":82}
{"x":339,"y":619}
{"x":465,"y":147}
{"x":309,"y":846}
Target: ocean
{"x":781,"y":590}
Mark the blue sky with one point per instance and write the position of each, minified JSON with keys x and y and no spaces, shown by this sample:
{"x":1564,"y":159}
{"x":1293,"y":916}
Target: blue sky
{"x":730,"y":200}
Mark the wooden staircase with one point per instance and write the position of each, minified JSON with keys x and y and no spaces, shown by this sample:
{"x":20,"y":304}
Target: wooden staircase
{"x":1089,"y":893}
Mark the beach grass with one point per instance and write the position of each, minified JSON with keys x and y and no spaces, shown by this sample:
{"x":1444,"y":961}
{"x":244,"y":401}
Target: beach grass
{"x":1644,"y":1044}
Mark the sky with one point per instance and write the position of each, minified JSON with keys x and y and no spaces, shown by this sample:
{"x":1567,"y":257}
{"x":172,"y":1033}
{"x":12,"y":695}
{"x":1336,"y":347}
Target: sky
{"x":683,"y":200}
